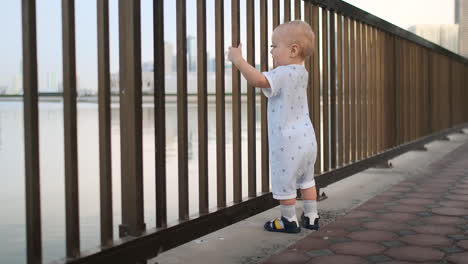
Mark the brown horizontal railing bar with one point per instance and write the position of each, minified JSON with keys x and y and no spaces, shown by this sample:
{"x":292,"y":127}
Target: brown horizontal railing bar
{"x":365,"y":17}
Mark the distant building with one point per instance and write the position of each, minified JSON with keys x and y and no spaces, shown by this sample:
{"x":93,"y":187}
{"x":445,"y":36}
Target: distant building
{"x":461,"y":16}
{"x":3,"y":89}
{"x":17,"y":87}
{"x":168,"y":53}
{"x":443,"y":35}
{"x":191,"y":54}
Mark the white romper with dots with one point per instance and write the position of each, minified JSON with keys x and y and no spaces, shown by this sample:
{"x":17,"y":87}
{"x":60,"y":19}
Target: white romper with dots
{"x":291,"y":136}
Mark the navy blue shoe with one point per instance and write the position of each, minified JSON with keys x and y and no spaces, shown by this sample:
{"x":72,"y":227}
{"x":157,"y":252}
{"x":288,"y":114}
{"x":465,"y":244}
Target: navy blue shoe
{"x":282,"y":225}
{"x":306,"y":222}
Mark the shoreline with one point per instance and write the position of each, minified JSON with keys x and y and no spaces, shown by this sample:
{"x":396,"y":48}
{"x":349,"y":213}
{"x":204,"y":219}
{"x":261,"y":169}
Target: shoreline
{"x":191,"y":98}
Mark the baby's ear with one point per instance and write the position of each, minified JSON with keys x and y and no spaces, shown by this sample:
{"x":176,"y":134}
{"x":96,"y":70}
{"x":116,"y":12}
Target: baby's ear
{"x":295,"y":50}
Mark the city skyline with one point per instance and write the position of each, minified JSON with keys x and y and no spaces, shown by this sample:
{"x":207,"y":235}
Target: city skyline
{"x":49,"y":34}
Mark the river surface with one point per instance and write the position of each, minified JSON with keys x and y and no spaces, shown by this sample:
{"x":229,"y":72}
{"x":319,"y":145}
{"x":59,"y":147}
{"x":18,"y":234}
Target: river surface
{"x":12,"y":195}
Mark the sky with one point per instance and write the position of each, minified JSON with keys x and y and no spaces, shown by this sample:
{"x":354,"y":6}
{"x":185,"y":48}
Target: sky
{"x":403,"y":13}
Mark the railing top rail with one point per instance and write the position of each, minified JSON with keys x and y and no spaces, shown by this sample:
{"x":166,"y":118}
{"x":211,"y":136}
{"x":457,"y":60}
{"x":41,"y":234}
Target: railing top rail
{"x":360,"y":15}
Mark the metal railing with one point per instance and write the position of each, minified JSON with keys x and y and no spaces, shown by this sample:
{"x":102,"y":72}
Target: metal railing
{"x":374,"y":92}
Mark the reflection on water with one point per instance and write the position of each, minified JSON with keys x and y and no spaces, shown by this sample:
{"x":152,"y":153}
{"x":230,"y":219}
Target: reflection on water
{"x":12,"y":224}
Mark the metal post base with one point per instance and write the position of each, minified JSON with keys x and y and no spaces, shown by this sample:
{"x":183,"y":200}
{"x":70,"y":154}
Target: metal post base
{"x":384,"y":165}
{"x":321,"y":197}
{"x":444,"y":138}
{"x":420,"y":148}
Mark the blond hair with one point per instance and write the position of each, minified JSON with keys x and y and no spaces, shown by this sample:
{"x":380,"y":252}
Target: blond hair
{"x":300,"y":33}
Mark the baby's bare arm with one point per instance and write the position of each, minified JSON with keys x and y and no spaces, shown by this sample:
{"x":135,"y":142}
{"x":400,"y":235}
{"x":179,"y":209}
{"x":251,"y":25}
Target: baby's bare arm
{"x":252,"y":75}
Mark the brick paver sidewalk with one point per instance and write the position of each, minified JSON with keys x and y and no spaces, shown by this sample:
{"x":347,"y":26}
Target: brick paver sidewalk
{"x":420,"y":220}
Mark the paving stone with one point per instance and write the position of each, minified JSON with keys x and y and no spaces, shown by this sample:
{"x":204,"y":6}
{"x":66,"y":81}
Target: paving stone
{"x":406,"y":232}
{"x":330,"y":232}
{"x":345,"y":223}
{"x":398,"y":217}
{"x":452,"y":250}
{"x":463,"y":244}
{"x":443,"y":220}
{"x":399,"y":189}
{"x":288,"y":256}
{"x":340,"y":240}
{"x":460,"y":191}
{"x":386,"y":226}
{"x":357,"y":248}
{"x":320,"y":252}
{"x":382,"y":211}
{"x":426,"y":240}
{"x":379,"y":258}
{"x":425,"y":214}
{"x":436,"y":230}
{"x":460,"y":258}
{"x":341,"y":259}
{"x":407,"y":208}
{"x":393,"y":243}
{"x":402,"y":262}
{"x":457,"y":197}
{"x":360,"y":214}
{"x":412,"y":253}
{"x":459,"y":237}
{"x":433,"y":189}
{"x":417,"y":201}
{"x":372,"y":236}
{"x":369,"y":207}
{"x":450,"y":211}
{"x":368,"y":219}
{"x":459,"y":204}
{"x":356,"y":228}
{"x":414,"y":223}
{"x":310,"y":243}
{"x":423,"y":195}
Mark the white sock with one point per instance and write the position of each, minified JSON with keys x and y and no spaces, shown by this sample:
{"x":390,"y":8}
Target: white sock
{"x":310,"y":209}
{"x":289,"y":212}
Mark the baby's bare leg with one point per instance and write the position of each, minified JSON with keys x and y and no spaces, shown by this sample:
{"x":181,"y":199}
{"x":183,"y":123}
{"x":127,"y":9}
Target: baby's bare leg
{"x":309,"y":193}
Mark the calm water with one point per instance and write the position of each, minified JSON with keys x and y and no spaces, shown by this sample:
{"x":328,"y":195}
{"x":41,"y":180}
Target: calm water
{"x":12,"y":213}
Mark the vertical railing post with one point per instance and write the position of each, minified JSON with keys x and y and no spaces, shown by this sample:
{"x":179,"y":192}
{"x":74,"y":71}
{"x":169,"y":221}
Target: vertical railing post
{"x":130,"y":119}
{"x":316,"y":87}
{"x":264,"y":100}
{"x":333,"y":130}
{"x":236,"y":108}
{"x":339,"y":56}
{"x":160,"y":114}
{"x":31,"y":134}
{"x":220,"y":106}
{"x":105,"y":159}
{"x":251,"y":138}
{"x":202,"y":108}
{"x":70,"y":129}
{"x":325,"y":91}
{"x":182,"y":124}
